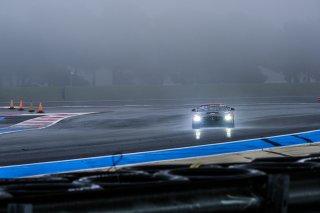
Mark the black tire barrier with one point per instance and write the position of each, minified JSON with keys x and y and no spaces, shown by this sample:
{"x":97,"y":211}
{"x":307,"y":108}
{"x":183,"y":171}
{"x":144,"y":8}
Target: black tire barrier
{"x":43,"y":180}
{"x":219,"y":174}
{"x":44,"y":189}
{"x":166,"y":184}
{"x":124,"y":179}
{"x":77,"y":175}
{"x":151,"y":169}
{"x":304,"y":181}
{"x":280,"y":167}
{"x":310,"y":160}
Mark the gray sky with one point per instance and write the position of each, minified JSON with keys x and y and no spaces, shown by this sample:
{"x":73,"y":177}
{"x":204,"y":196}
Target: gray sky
{"x":157,"y":35}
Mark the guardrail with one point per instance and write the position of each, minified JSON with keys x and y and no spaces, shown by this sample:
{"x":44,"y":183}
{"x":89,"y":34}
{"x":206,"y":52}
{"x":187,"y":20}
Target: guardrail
{"x":288,"y":184}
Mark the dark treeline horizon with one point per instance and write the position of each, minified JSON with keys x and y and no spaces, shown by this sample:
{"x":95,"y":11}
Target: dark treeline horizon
{"x":151,"y":41}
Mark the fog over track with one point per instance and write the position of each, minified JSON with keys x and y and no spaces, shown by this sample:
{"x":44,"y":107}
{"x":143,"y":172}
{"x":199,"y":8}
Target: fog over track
{"x":127,"y":127}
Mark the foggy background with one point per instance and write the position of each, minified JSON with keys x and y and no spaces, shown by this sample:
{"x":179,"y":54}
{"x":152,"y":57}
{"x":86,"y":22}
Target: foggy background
{"x":158,"y":42}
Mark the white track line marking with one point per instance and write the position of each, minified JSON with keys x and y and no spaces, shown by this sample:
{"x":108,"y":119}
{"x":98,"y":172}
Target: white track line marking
{"x":46,"y":120}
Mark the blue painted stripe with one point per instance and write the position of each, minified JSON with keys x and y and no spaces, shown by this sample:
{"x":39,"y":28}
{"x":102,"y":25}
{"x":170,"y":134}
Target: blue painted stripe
{"x":107,"y":161}
{"x":2,"y":118}
{"x":313,"y":136}
{"x":152,"y":156}
{"x":287,"y":140}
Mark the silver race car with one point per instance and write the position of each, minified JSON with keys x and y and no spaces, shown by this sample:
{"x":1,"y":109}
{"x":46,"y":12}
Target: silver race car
{"x":213,"y":115}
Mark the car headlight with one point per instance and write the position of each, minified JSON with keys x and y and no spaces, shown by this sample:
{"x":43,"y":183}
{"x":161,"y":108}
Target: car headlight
{"x":197,"y":118}
{"x":228,"y":117}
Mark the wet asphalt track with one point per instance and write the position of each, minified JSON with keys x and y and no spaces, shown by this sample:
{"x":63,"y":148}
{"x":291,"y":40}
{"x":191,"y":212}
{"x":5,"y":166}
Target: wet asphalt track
{"x":135,"y":126}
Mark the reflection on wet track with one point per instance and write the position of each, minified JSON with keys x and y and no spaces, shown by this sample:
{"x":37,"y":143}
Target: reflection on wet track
{"x":228,"y":132}
{"x":197,"y":132}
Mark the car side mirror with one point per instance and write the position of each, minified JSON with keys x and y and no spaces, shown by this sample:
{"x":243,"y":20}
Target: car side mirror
{"x":193,"y":110}
{"x":232,"y":109}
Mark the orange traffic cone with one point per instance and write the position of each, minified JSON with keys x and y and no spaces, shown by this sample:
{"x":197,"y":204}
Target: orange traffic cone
{"x":40,"y":109}
{"x":31,"y":108}
{"x":11,"y":104}
{"x":21,"y":106}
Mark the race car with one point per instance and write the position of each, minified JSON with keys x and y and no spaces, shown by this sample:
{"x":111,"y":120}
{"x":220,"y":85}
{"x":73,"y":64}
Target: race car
{"x":213,"y":115}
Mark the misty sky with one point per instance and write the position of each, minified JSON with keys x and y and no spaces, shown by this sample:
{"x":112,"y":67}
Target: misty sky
{"x":157,"y":35}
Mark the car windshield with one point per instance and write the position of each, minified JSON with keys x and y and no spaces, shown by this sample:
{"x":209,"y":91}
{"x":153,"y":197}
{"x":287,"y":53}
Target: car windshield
{"x":210,"y":108}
